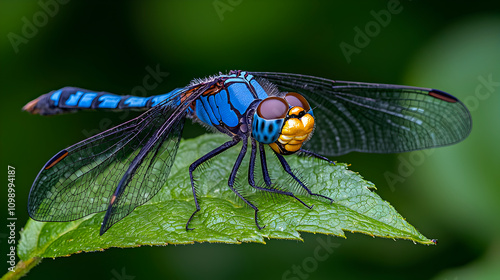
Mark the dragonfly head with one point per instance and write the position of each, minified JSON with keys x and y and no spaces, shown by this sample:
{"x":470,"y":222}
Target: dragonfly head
{"x":285,"y":123}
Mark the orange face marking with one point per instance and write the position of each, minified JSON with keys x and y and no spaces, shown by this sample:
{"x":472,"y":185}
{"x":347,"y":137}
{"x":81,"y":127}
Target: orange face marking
{"x":294,"y":133}
{"x":275,"y":148}
{"x":295,"y":111}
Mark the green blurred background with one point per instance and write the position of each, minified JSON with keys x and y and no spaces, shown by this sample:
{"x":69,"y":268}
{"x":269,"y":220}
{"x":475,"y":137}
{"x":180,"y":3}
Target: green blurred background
{"x":449,"y":193}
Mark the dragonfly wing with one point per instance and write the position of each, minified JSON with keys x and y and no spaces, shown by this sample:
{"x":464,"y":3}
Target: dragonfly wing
{"x":147,"y":173}
{"x":83,"y":178}
{"x":376,"y":118}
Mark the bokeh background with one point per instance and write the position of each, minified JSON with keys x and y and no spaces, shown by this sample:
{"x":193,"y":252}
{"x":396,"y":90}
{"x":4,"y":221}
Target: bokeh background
{"x":450,"y":193}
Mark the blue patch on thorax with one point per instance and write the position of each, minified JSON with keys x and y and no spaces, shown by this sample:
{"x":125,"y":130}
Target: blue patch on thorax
{"x":241,"y":97}
{"x":261,"y":93}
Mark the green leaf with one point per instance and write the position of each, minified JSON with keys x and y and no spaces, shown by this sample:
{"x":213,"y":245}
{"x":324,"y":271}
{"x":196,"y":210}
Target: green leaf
{"x":224,"y":217}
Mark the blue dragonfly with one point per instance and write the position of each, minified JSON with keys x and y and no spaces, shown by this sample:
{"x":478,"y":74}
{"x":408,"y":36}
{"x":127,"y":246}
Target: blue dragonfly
{"x":274,"y":109}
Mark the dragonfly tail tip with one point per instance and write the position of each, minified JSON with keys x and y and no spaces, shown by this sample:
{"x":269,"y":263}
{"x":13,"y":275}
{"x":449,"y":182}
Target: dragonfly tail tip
{"x":31,"y":107}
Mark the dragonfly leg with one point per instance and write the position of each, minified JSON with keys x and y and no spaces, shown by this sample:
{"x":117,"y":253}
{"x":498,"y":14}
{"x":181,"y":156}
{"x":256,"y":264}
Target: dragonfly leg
{"x":232,"y":178}
{"x":199,"y":161}
{"x":251,"y":170}
{"x":263,"y":162}
{"x":313,"y":154}
{"x":289,"y":171}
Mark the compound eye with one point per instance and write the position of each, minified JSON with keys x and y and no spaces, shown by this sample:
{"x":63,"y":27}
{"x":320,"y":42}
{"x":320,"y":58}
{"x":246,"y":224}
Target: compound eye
{"x":297,"y":100}
{"x":272,"y":108}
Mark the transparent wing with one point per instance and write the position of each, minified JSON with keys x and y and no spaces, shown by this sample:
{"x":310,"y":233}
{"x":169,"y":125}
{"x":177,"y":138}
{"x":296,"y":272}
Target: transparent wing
{"x":376,"y":118}
{"x":118,"y":169}
{"x":147,"y":172}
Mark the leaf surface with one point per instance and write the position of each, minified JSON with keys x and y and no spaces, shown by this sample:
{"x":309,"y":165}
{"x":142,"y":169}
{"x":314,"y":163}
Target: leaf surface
{"x":223,"y":216}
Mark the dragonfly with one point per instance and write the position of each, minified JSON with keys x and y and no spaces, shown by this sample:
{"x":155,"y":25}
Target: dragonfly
{"x":279,"y":110}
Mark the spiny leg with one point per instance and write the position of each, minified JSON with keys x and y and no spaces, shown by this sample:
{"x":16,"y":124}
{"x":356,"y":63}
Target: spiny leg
{"x":232,"y":178}
{"x":290,"y":172}
{"x":251,"y":170}
{"x":201,"y":160}
{"x":313,"y":154}
{"x":263,"y":162}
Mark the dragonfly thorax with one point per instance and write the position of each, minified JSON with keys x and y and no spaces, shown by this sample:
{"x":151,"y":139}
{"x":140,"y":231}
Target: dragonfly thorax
{"x":283,"y":123}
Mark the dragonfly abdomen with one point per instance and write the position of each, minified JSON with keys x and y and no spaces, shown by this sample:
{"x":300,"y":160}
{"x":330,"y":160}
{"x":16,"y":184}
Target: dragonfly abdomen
{"x":71,"y":99}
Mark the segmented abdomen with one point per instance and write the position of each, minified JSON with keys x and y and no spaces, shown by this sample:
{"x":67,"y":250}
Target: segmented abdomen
{"x":70,"y":99}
